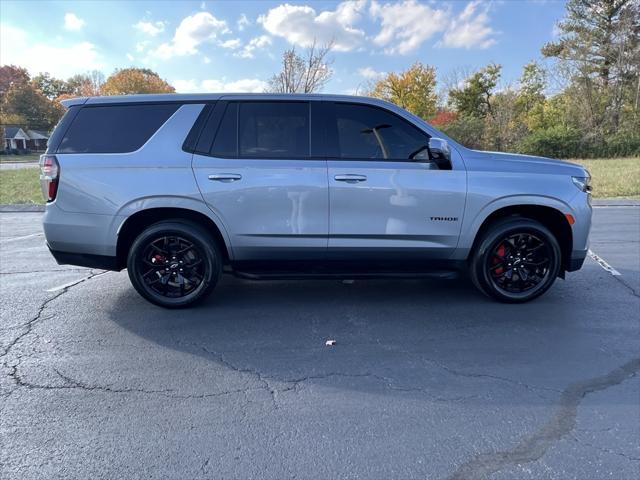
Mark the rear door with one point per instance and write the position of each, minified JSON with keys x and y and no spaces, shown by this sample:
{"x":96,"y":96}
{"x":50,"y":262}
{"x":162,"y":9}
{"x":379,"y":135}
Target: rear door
{"x":254,"y":167}
{"x":387,"y":199}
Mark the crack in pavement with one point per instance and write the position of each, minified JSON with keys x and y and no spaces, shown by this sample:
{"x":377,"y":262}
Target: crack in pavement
{"x":604,"y":450}
{"x":73,"y":384}
{"x":563,"y":422}
{"x":293,"y":383}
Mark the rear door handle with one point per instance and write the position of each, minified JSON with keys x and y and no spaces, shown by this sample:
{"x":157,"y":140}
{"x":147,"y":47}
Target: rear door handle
{"x":225,"y":177}
{"x":350,"y":178}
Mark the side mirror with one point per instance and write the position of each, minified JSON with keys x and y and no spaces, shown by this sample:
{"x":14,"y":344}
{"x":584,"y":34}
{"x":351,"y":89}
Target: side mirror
{"x":440,"y":152}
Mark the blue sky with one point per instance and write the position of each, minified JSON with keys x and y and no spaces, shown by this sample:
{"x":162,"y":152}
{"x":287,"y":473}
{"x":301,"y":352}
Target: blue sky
{"x":237,"y":45}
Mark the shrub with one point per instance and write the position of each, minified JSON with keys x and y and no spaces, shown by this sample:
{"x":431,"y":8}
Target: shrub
{"x":466,"y":130}
{"x":555,"y":142}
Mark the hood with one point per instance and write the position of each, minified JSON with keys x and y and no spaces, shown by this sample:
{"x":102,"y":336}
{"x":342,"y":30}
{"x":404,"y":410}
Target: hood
{"x":514,"y":162}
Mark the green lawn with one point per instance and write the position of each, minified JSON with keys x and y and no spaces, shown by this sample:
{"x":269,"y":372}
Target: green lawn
{"x":612,"y":177}
{"x":32,"y":157}
{"x":20,"y":186}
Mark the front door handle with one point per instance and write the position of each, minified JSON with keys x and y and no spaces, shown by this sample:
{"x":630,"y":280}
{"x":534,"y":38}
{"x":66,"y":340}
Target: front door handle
{"x":350,"y":178}
{"x":225,"y":177}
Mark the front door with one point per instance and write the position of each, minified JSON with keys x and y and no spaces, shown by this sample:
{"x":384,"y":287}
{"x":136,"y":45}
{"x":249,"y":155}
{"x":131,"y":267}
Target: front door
{"x":259,"y":178}
{"x":387,"y":199}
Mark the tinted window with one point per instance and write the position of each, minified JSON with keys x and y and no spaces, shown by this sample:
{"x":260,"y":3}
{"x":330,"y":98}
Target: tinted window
{"x":226,"y":142}
{"x":367,"y":132}
{"x":114,"y":128}
{"x":274,"y":129}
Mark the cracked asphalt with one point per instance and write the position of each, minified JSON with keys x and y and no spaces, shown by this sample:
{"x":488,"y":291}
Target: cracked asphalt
{"x":428,"y":379}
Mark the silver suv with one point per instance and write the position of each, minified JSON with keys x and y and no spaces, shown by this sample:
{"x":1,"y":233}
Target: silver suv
{"x":181,"y":188}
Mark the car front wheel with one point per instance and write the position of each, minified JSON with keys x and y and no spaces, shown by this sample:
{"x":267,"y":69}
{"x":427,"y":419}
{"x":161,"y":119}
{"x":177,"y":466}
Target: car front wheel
{"x":516,"y":260}
{"x":174,"y":264}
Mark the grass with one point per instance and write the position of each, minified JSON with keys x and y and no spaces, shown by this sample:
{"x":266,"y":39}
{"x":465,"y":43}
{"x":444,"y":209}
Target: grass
{"x":612,"y":177}
{"x":32,"y":157}
{"x":20,"y":186}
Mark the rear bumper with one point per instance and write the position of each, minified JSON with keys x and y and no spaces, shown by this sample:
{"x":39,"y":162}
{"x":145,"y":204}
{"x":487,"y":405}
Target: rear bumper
{"x":576,"y":260}
{"x":102,"y":262}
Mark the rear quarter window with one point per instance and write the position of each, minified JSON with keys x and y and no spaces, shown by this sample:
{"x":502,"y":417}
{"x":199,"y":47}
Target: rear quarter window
{"x":114,"y":128}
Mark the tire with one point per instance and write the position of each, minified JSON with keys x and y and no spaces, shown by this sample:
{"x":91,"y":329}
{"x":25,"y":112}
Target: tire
{"x":515,"y":261}
{"x":174,"y":264}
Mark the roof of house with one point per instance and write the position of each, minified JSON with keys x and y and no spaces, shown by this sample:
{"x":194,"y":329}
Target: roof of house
{"x":14,"y":132}
{"x":38,"y":135}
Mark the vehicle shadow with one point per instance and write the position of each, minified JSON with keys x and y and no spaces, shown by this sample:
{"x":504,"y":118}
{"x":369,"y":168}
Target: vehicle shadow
{"x":436,"y":338}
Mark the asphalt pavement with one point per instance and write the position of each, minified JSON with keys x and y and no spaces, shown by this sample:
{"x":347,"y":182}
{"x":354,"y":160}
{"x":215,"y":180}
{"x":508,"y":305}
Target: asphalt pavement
{"x":427,"y":379}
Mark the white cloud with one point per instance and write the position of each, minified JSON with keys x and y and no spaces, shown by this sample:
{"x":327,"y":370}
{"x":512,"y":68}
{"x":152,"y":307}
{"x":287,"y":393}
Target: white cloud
{"x":192,"y":31}
{"x":150,"y":28}
{"x":232,"y":43}
{"x":470,"y":29}
{"x":213,"y":85}
{"x":243,"y":22}
{"x":17,"y":48}
{"x":130,"y":57}
{"x":301,"y":25}
{"x":141,"y":46}
{"x":253,"y":45}
{"x":370,"y":74}
{"x":73,"y":22}
{"x":406,"y":25}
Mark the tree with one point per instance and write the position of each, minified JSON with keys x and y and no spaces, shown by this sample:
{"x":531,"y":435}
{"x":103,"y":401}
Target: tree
{"x":474,"y":97}
{"x":29,"y":103}
{"x":86,"y":84}
{"x":135,"y":80}
{"x":306,"y":74}
{"x":50,"y":87}
{"x":413,"y":89}
{"x":11,"y":75}
{"x":530,"y":100}
{"x":599,"y":49}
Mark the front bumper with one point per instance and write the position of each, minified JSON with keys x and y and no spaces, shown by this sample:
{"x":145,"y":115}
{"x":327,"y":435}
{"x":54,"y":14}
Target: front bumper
{"x":576,"y":260}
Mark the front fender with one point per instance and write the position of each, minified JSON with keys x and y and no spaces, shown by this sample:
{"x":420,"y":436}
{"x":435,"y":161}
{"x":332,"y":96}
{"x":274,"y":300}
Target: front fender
{"x":477,"y":214}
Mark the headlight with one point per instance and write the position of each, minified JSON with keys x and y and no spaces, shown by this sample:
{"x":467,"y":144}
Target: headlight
{"x":583,"y":183}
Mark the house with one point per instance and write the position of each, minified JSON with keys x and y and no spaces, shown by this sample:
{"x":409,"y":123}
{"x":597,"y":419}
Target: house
{"x":37,"y":140}
{"x":15,"y":138}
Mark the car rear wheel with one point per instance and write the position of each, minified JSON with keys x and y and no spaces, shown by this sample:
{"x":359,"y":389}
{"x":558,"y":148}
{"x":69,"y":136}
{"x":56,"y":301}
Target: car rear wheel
{"x":174,"y":264}
{"x":516,"y":260}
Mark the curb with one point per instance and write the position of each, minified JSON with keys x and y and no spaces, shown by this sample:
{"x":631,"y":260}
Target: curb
{"x":615,"y":202}
{"x":27,"y":207}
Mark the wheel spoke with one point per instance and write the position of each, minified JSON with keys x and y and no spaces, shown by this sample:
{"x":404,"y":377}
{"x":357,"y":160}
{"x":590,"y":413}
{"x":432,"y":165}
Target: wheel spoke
{"x":519,"y":262}
{"x":172,"y":266}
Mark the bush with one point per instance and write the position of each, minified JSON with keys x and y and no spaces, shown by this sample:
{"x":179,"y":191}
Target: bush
{"x":554,"y":142}
{"x":466,"y":130}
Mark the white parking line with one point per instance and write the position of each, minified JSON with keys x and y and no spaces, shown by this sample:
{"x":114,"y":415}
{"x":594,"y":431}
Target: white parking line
{"x":12,"y":239}
{"x":76,"y":282}
{"x":603,"y":264}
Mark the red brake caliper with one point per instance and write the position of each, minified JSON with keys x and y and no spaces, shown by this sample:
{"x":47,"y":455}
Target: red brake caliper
{"x":499,"y":253}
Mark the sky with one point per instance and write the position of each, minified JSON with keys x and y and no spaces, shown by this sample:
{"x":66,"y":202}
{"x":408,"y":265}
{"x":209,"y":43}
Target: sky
{"x":216,"y":46}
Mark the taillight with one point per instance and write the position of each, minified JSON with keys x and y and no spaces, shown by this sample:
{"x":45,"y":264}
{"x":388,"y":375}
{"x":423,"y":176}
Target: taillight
{"x":49,"y":176}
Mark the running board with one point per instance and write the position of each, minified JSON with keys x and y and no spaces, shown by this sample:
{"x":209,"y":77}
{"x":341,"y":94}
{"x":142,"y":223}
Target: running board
{"x":274,"y":275}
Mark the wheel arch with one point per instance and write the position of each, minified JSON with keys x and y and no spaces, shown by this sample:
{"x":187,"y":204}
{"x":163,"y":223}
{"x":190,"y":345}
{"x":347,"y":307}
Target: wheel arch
{"x":548,"y":215}
{"x":137,"y":221}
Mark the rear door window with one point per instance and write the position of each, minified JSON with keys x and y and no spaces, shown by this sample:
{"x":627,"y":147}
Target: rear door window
{"x":273,"y":129}
{"x":114,"y":128}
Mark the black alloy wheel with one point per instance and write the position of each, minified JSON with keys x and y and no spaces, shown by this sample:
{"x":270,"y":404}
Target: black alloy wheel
{"x":516,"y":260}
{"x":174,"y":264}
